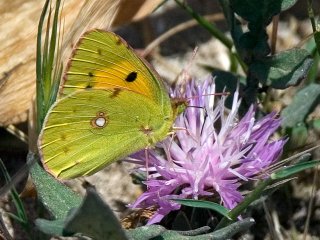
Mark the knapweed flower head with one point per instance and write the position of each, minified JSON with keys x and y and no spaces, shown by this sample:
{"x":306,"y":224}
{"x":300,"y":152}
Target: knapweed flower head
{"x":212,"y":153}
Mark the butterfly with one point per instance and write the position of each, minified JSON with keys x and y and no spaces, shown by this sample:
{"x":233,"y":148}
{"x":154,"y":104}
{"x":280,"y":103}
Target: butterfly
{"x":111,"y":104}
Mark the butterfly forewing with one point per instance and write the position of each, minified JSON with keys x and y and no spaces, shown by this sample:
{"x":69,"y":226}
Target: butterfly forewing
{"x":103,"y":60}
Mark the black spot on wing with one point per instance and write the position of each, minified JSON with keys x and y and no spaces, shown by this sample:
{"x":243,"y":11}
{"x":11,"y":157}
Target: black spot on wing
{"x":115,"y":92}
{"x":66,"y":150}
{"x":90,"y":74}
{"x":118,"y":41}
{"x":63,"y":137}
{"x":131,"y":77}
{"x":89,"y":86}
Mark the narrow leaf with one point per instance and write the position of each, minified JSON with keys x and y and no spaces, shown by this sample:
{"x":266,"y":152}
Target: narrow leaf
{"x":287,"y":171}
{"x":204,"y":204}
{"x":303,"y":103}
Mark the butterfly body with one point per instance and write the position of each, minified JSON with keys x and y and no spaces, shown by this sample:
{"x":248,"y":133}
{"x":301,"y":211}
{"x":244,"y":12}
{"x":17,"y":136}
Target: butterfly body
{"x":111,"y":104}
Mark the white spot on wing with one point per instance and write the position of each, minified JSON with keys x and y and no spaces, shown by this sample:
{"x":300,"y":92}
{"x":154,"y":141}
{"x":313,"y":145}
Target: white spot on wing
{"x":100,"y":121}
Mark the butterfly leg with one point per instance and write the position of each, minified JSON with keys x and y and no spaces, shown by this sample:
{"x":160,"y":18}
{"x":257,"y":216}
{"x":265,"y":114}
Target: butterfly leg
{"x":146,"y":152}
{"x":184,"y":129}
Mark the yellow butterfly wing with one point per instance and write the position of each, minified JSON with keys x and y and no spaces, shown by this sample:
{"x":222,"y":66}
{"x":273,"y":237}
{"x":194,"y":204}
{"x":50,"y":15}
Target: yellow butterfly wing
{"x":111,"y":105}
{"x":103,"y":60}
{"x":88,"y":130}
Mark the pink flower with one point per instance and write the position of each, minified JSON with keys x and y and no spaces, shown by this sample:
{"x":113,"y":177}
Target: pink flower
{"x":213,"y":156}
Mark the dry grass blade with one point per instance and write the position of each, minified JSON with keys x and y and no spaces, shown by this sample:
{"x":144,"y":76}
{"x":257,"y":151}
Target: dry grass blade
{"x":92,"y":14}
{"x":177,"y":29}
{"x":17,"y":58}
{"x":283,"y":162}
{"x":4,"y":233}
{"x":17,"y":132}
{"x":130,"y":11}
{"x":315,"y":186}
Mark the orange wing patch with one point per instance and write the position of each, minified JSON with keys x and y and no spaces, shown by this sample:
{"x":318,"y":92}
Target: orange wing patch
{"x":102,"y":60}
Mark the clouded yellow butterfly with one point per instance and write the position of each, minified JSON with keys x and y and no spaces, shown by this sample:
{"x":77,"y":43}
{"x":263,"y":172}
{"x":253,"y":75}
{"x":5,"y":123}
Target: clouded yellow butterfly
{"x":111,"y":104}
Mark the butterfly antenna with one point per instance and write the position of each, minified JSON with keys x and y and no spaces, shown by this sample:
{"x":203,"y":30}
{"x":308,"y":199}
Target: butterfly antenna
{"x":209,"y":94}
{"x":184,"y":75}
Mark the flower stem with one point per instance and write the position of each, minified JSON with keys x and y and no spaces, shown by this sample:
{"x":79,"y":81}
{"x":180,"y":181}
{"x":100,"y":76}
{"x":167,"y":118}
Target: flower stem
{"x":235,"y":212}
{"x":209,"y":26}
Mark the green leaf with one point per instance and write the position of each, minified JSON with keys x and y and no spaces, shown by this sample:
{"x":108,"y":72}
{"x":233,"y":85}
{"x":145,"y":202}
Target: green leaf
{"x":260,"y":11}
{"x":254,"y":43}
{"x":302,"y":104}
{"x":284,"y":69}
{"x":199,"y":234}
{"x":287,"y":171}
{"x":146,"y":232}
{"x":48,"y":65}
{"x":39,"y":69}
{"x":234,"y":228}
{"x":54,"y":195}
{"x":94,"y":219}
{"x":157,"y":232}
{"x":203,"y":204}
{"x":51,"y":228}
{"x":286,"y":4}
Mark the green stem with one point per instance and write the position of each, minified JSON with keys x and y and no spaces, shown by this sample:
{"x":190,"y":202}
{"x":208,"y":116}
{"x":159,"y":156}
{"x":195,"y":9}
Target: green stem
{"x":235,"y":30}
{"x":315,"y":28}
{"x":234,"y":213}
{"x":311,"y":16}
{"x":208,"y":26}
